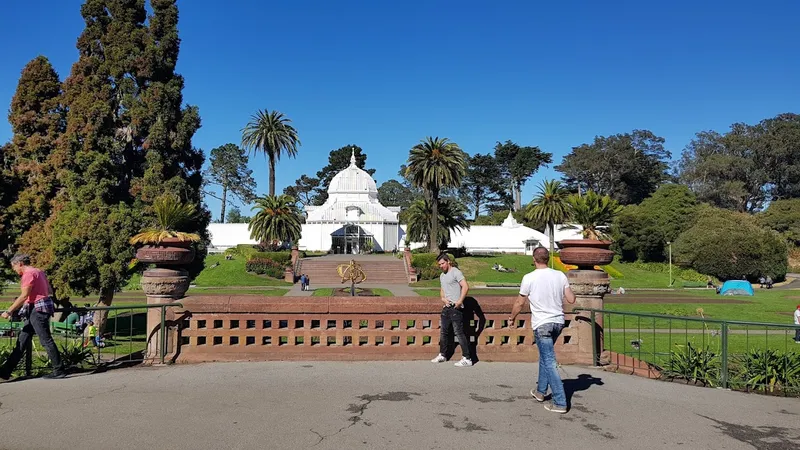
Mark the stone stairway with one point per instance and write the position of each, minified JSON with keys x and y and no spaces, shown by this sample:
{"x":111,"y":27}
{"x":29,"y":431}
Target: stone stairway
{"x":322,"y":270}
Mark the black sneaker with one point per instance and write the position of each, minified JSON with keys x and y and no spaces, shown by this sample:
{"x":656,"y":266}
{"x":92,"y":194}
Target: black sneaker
{"x":55,"y":375}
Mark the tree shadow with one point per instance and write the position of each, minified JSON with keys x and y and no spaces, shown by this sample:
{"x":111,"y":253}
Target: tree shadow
{"x":581,"y":383}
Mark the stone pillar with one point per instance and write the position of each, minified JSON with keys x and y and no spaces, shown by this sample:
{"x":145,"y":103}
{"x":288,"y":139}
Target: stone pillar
{"x":589,"y":286}
{"x":412,"y":273}
{"x":295,"y":256}
{"x":162,"y":286}
{"x":288,"y":275}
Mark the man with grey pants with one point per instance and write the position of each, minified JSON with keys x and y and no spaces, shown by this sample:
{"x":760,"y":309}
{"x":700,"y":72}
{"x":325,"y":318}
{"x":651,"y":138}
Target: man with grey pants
{"x":453,"y":290}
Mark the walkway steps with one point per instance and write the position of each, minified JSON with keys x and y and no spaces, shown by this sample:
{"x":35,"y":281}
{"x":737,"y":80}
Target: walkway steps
{"x":323,"y":270}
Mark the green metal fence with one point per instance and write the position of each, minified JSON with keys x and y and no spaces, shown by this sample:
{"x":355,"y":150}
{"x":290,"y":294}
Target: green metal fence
{"x":125,"y":339}
{"x":751,"y":356}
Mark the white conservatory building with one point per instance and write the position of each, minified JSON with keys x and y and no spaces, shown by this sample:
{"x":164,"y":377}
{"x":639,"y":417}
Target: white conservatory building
{"x":352,"y":219}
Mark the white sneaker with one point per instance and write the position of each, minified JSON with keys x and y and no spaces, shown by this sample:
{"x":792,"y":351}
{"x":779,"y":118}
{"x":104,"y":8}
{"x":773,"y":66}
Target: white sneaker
{"x":439,"y":359}
{"x":464,"y":363}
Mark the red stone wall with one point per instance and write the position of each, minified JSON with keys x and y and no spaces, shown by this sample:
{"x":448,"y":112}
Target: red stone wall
{"x":367,"y":328}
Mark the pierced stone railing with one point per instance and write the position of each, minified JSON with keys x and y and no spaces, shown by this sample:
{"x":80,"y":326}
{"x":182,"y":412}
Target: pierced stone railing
{"x":221,"y":328}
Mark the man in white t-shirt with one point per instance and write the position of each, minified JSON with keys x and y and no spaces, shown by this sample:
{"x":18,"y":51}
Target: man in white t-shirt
{"x":797,"y":322}
{"x":545,"y":289}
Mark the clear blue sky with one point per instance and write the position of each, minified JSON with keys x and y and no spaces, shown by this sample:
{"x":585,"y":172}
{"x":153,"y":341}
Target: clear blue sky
{"x":384,"y":74}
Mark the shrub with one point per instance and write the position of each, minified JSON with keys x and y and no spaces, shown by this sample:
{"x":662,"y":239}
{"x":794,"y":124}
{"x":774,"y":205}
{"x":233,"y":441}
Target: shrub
{"x":282,"y":258}
{"x":425,"y":264}
{"x":265,"y":267}
{"x":692,"y":364}
{"x":766,"y":370}
{"x":244,"y":250}
{"x":729,"y":245}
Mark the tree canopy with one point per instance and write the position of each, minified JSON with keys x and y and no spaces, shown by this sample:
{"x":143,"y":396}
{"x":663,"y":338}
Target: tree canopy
{"x":517,"y":164}
{"x":483,"y":185}
{"x":271,"y":133}
{"x":746,"y":167}
{"x":392,"y":193}
{"x":304,"y":190}
{"x":627,"y":167}
{"x":783,"y":216}
{"x":277,"y":221}
{"x":229,"y":171}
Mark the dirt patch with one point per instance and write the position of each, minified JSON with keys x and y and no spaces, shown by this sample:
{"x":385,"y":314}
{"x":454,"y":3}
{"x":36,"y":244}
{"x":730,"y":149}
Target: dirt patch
{"x":622,"y":299}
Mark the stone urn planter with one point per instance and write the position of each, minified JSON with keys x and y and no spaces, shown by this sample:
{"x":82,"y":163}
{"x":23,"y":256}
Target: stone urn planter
{"x":585,"y":253}
{"x":167,"y":280}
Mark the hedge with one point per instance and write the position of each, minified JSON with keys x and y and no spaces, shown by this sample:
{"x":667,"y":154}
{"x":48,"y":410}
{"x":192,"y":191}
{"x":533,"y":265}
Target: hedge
{"x":265,"y":267}
{"x":426,"y":266}
{"x":282,"y":258}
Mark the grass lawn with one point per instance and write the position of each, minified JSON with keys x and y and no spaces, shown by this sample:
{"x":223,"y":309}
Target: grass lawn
{"x":478,"y":269}
{"x":227,"y":273}
{"x":328,"y":292}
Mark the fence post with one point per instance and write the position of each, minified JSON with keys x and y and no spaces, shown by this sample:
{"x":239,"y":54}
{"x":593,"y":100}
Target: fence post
{"x":724,"y":368}
{"x":595,"y":350}
{"x":163,"y":350}
{"x":28,"y":358}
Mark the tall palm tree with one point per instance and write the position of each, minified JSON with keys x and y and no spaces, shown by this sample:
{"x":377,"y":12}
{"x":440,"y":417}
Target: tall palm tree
{"x":594,"y":213}
{"x":550,"y":206}
{"x":270,"y":133}
{"x":452,"y":216}
{"x":277,"y":220}
{"x":434,"y":164}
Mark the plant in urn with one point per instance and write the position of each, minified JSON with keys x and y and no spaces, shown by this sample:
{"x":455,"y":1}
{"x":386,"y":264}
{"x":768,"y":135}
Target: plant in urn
{"x":594,"y":213}
{"x":167,"y":249}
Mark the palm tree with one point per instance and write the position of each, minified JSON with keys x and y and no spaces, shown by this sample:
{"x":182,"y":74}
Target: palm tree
{"x":434,"y":164}
{"x":452,"y":216}
{"x":550,"y":206}
{"x":594,"y":213}
{"x":269,"y":132}
{"x":277,"y":220}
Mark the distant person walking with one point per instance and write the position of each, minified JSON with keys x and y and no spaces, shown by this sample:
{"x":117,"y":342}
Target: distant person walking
{"x":453,"y":290}
{"x":35,"y":307}
{"x":545,"y":289}
{"x":797,"y":322}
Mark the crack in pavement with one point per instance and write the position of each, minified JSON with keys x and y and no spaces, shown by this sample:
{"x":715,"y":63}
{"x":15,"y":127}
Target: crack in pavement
{"x":359,"y":409}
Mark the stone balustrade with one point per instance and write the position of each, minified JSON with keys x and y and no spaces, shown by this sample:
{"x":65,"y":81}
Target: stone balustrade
{"x":222,"y":328}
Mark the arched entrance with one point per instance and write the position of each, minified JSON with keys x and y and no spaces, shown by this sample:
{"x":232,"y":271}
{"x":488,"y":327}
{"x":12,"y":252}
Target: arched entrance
{"x":351,"y":239}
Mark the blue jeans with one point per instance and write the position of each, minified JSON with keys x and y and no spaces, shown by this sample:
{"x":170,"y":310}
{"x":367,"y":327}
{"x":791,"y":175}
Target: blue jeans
{"x":545,"y":337}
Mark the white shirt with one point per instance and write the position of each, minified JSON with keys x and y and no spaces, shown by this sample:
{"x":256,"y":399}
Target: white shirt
{"x":797,"y":316}
{"x":545,"y":291}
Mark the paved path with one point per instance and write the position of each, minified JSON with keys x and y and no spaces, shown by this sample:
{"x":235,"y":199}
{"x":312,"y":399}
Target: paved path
{"x":382,"y":405}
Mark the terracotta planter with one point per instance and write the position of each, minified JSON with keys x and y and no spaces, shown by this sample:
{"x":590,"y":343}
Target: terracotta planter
{"x":171,"y":252}
{"x":585,"y":253}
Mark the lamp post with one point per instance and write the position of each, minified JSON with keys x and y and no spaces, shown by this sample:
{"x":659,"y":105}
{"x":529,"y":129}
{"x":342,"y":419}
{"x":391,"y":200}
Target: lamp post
{"x":669,"y":243}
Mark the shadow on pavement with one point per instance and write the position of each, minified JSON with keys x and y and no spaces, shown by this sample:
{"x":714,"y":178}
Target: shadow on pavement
{"x":582,"y":383}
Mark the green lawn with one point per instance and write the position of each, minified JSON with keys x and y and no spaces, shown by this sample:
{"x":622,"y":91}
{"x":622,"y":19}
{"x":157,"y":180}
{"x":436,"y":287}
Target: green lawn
{"x":227,"y":273}
{"x":328,"y":292}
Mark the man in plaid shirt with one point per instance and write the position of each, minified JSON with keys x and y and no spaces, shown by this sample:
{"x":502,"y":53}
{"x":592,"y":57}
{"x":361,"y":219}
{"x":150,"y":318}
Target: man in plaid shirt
{"x":35,"y":306}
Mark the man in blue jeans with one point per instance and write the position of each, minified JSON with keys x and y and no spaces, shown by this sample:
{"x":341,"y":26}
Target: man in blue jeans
{"x":545,"y":289}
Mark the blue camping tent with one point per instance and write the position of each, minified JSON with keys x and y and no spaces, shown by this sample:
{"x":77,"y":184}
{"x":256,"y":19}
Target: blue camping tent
{"x":736,"y":287}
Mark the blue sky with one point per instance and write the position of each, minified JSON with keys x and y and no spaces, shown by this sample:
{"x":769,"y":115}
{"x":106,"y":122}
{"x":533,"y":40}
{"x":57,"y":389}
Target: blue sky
{"x":384,"y":74}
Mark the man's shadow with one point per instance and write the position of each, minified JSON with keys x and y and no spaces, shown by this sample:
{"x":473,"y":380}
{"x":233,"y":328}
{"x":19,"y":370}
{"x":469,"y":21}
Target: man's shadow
{"x":582,"y":383}
{"x":472,"y":311}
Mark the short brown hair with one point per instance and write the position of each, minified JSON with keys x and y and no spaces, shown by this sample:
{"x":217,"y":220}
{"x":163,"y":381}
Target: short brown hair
{"x":443,"y":257}
{"x":541,"y":255}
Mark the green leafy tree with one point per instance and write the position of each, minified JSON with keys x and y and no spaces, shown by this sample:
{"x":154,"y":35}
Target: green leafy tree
{"x":276,"y":221}
{"x":783,"y":216}
{"x":127,"y":142}
{"x":483,"y":185}
{"x":7,"y":197}
{"x":499,"y":216}
{"x":393,"y":193}
{"x":517,"y":164}
{"x":452,"y":217}
{"x":271,"y":133}
{"x":594,"y":213}
{"x":434,"y":164}
{"x":229,"y":171}
{"x":551,"y":207}
{"x":731,"y":245}
{"x":641,"y":232}
{"x":339,"y":160}
{"x":304,"y":190}
{"x":235,"y":216}
{"x":627,"y":167}
{"x":746,"y":167}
